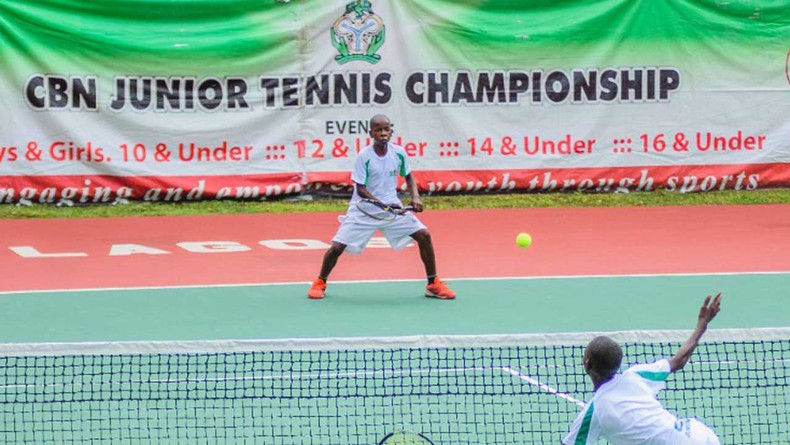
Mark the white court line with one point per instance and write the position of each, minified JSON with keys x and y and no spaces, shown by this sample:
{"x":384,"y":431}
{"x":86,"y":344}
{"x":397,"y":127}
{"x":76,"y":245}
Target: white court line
{"x":404,"y":280}
{"x":542,"y":386}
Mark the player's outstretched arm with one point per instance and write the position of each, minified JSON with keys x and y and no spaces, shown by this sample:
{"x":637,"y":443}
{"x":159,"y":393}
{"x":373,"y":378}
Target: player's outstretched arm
{"x":707,"y":312}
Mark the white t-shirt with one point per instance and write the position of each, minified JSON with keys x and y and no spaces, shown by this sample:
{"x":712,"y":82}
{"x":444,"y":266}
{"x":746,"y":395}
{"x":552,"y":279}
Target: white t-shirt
{"x":625,"y":410}
{"x":379,"y":174}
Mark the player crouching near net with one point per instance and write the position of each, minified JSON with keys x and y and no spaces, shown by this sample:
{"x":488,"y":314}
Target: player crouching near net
{"x":375,"y":178}
{"x":624,"y":409}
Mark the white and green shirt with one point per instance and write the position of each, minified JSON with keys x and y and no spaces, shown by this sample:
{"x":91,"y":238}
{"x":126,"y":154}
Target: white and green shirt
{"x":625,"y":410}
{"x":379,"y":174}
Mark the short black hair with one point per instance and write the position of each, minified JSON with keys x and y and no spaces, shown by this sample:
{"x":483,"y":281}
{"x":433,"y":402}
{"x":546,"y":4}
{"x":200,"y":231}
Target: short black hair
{"x":605,"y":356}
{"x":379,"y":117}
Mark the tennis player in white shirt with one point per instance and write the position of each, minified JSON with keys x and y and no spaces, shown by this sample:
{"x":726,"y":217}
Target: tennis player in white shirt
{"x":624,"y":409}
{"x":375,"y":177}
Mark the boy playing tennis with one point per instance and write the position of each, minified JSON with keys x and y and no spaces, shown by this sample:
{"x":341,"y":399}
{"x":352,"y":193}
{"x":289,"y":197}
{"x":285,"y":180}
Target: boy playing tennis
{"x":375,"y":177}
{"x":624,"y":409}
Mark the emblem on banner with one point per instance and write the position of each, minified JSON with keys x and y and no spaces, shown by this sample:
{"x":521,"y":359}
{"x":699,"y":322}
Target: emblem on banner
{"x":358,"y":34}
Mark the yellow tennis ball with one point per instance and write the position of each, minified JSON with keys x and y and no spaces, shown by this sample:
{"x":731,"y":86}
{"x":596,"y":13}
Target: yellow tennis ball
{"x":523,"y":240}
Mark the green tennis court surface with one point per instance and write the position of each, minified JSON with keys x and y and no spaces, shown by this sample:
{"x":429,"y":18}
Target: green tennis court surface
{"x":397,"y":308}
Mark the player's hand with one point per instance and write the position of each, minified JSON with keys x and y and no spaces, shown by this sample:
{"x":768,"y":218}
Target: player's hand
{"x":710,"y":307}
{"x":417,"y":204}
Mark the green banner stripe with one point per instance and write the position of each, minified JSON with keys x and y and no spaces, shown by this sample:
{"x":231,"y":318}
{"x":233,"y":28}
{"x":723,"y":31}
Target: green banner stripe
{"x":557,"y":22}
{"x":217,"y":30}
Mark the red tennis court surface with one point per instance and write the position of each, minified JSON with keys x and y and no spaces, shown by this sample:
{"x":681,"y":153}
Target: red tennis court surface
{"x":56,"y":254}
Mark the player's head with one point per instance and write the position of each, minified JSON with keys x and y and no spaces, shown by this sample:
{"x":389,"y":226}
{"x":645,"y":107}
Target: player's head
{"x":602,"y":358}
{"x":380,"y":128}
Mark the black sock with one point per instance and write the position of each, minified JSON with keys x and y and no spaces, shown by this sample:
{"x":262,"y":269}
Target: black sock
{"x":431,"y":278}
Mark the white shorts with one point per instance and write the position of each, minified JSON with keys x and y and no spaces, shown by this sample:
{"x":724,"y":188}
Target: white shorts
{"x":356,"y":229}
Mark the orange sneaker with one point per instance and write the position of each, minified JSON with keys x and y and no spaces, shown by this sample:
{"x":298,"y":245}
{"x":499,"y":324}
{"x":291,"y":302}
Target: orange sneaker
{"x":317,"y":290}
{"x":439,"y":289}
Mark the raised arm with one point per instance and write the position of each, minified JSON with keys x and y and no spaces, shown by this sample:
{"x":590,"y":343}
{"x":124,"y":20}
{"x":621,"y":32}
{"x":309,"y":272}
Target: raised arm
{"x":707,"y":312}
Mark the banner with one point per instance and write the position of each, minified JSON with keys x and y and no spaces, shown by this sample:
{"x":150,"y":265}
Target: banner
{"x":166,"y":100}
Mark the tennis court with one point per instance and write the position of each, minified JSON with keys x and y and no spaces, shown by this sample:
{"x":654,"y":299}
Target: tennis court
{"x":197,"y":330}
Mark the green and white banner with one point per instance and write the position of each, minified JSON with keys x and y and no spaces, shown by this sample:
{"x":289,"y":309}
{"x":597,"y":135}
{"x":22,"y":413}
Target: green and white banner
{"x":175,"y":100}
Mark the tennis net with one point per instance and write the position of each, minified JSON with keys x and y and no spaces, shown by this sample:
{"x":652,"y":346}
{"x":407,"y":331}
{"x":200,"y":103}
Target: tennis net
{"x":511,"y":389}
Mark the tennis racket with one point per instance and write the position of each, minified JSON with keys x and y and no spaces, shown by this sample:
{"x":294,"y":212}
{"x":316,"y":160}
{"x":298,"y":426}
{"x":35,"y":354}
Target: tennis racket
{"x":381,"y":211}
{"x":405,"y":438}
